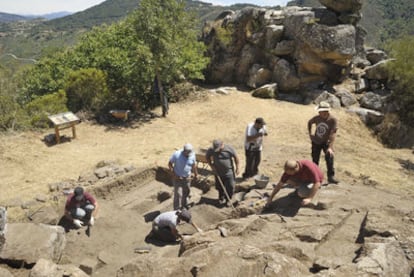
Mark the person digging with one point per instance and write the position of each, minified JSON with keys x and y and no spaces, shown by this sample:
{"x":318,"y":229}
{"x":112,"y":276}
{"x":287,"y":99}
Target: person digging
{"x":164,"y":226}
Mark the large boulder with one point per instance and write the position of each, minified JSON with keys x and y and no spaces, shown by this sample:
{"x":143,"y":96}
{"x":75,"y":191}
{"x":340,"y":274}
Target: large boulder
{"x":268,"y":91}
{"x":343,"y":6}
{"x":28,"y":242}
{"x":273,"y":34}
{"x":377,"y":71}
{"x":371,"y":100}
{"x":47,"y":268}
{"x":258,"y":76}
{"x":284,"y":74}
{"x":383,"y":258}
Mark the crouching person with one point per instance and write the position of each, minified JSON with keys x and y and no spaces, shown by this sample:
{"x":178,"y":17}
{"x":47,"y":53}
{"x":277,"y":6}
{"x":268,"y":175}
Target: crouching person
{"x":164,"y":226}
{"x":81,"y":208}
{"x":305,"y":176}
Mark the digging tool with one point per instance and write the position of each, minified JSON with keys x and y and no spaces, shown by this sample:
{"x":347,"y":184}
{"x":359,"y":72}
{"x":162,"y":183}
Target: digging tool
{"x":225,"y":191}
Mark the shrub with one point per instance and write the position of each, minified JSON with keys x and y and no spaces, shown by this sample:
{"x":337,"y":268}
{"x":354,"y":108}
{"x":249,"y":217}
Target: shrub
{"x":40,"y":108}
{"x":401,"y":71}
{"x":86,"y":90}
{"x":8,"y":112}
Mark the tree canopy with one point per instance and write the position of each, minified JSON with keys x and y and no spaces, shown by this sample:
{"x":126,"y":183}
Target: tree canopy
{"x":402,"y":73}
{"x":159,"y":36}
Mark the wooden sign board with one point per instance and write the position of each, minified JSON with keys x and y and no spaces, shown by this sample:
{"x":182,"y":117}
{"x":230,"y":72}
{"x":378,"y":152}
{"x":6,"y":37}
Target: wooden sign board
{"x":63,"y":118}
{"x":62,"y":121}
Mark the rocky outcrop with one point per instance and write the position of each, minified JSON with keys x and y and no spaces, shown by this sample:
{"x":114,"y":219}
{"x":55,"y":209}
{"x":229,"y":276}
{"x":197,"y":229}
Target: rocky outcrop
{"x":306,"y":53}
{"x":25,"y":243}
{"x":310,"y":45}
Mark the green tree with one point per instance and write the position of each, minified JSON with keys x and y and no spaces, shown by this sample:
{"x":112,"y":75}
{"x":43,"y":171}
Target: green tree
{"x":9,"y":108}
{"x":169,"y":31}
{"x":86,"y":90}
{"x":402,"y":73}
{"x":160,"y":37}
{"x":39,"y":109}
{"x":46,"y":76}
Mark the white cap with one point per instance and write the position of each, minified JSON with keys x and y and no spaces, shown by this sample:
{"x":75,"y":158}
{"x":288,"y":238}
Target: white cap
{"x":188,"y":147}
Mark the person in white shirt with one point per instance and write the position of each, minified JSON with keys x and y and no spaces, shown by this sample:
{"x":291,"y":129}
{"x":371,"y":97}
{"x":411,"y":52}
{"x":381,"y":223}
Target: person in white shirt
{"x":253,"y":145}
{"x":164,"y":226}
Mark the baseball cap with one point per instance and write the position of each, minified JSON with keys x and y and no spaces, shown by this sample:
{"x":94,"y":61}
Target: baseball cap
{"x":217,"y":145}
{"x":188,"y":147}
{"x":323,"y":107}
{"x":185,"y":215}
{"x":78,"y":191}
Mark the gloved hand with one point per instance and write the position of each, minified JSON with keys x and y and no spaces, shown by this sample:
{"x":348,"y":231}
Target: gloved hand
{"x":91,"y":221}
{"x":78,"y":223}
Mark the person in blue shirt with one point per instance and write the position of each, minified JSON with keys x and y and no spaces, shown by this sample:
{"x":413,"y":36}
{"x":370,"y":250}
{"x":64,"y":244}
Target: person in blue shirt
{"x":181,"y":164}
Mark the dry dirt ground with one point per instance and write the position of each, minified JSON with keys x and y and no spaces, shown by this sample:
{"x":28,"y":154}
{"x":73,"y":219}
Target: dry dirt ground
{"x":28,"y":165}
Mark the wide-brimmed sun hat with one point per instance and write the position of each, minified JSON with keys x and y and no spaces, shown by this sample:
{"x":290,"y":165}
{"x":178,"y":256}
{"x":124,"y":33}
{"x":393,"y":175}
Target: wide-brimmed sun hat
{"x":323,"y":107}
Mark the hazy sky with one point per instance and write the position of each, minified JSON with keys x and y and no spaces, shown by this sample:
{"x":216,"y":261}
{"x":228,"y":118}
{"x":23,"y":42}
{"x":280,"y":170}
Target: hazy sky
{"x":48,"y":6}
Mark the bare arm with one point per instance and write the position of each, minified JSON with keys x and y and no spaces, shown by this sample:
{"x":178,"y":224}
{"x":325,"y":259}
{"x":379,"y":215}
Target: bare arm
{"x":315,"y":188}
{"x":195,"y":170}
{"x":237,"y":163}
{"x":332,"y":137}
{"x":95,"y":211}
{"x":274,"y":192}
{"x":68,"y":214}
{"x":254,"y":137}
{"x":310,"y":123}
{"x":174,"y":231}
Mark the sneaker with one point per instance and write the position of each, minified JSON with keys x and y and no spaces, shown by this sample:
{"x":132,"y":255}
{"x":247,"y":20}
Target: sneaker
{"x":332,"y":180}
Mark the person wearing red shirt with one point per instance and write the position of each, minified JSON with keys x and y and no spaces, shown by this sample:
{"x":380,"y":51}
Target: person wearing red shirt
{"x":304,"y":175}
{"x":81,"y":208}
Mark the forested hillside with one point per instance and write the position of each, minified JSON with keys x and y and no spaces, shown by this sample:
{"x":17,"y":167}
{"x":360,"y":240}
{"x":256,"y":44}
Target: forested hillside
{"x":34,"y":38}
{"x":383,"y":19}
{"x":120,"y":60}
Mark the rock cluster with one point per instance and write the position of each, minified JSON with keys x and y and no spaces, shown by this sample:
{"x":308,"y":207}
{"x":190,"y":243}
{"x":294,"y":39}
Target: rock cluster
{"x":303,"y":55}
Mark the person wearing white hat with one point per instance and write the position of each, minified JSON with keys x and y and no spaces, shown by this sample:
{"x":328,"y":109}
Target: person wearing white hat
{"x":324,"y":137}
{"x":181,"y":164}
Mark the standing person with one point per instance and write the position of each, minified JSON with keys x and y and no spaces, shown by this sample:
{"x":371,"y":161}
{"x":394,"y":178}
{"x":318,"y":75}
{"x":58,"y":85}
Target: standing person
{"x":224,"y":162}
{"x":181,"y":163}
{"x":324,"y":137}
{"x":164,"y":226}
{"x":304,"y":175}
{"x":253,"y":146}
{"x":81,"y":208}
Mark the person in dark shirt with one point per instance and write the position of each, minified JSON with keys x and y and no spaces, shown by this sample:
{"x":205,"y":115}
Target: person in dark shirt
{"x":224,"y":162}
{"x":81,"y":208}
{"x":324,"y":137}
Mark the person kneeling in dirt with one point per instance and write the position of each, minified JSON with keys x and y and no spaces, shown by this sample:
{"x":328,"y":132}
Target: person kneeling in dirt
{"x":164,"y":226}
{"x":81,"y":208}
{"x":304,"y":175}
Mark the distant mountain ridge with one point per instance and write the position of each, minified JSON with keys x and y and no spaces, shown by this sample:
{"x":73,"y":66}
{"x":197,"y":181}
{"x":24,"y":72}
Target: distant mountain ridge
{"x":7,"y":17}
